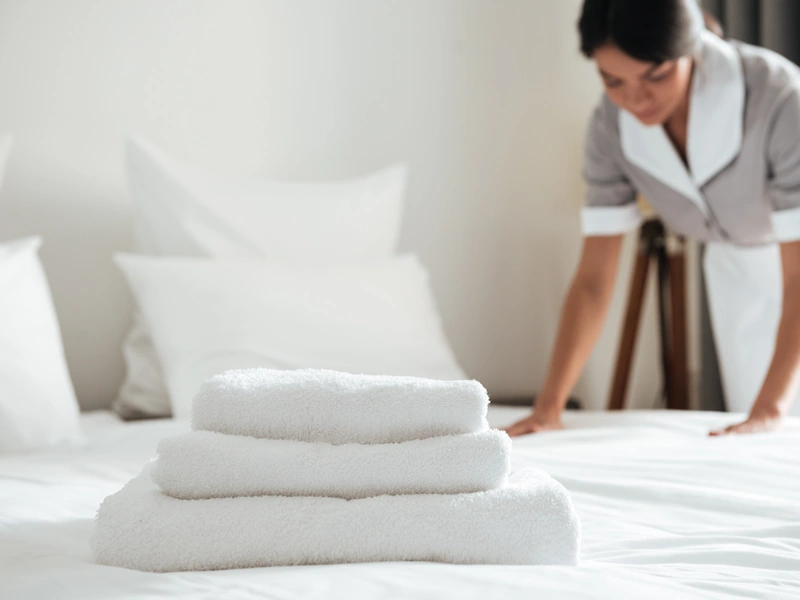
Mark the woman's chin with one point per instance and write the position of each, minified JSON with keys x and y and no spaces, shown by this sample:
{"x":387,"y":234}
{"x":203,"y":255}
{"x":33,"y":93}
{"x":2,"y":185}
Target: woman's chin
{"x":650,"y":119}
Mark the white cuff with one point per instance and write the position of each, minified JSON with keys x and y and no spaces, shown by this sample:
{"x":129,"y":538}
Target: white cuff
{"x":786,"y":225}
{"x":610,"y":220}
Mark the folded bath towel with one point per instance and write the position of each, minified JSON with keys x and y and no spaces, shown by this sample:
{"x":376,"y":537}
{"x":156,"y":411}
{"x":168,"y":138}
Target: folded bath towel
{"x":312,"y":405}
{"x":529,"y":521}
{"x":202,"y":464}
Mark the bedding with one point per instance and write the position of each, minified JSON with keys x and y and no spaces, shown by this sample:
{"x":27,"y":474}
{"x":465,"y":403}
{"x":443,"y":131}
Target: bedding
{"x":37,"y":401}
{"x":182,"y":210}
{"x":666,"y":512}
{"x":208,"y":316}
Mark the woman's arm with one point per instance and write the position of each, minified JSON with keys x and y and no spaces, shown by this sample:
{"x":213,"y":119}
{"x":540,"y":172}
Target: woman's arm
{"x":582,"y":319}
{"x":781,"y":383}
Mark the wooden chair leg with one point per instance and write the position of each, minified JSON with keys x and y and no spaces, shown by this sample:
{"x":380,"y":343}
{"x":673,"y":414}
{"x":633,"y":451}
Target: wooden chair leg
{"x":633,"y":312}
{"x":678,"y":390}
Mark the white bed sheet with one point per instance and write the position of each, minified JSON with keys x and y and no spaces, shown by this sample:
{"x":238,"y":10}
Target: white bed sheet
{"x":666,"y":513}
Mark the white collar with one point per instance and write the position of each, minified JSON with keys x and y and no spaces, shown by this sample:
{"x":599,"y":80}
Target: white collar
{"x":715,"y":129}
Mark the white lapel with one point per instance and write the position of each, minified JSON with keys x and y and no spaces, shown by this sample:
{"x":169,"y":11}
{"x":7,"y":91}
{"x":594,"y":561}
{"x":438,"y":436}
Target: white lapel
{"x":716,"y":117}
{"x":716,"y":120}
{"x":650,"y":149}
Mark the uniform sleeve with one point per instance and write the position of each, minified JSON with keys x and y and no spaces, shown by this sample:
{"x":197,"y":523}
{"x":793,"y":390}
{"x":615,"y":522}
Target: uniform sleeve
{"x":611,"y":207}
{"x":783,"y":156}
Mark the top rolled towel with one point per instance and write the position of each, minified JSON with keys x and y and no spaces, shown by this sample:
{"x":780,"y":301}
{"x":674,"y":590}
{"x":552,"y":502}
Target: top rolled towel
{"x":315,"y":405}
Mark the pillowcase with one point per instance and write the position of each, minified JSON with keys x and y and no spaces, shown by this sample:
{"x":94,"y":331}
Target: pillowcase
{"x":38,"y":407}
{"x":210,"y":316}
{"x":180,"y":210}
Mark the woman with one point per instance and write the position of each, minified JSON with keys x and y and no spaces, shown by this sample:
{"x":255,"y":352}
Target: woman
{"x":709,"y":133}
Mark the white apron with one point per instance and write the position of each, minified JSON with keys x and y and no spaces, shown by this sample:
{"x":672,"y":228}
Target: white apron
{"x":745,"y":296}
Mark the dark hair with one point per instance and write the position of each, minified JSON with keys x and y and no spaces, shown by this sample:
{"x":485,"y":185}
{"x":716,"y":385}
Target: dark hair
{"x":647,"y":30}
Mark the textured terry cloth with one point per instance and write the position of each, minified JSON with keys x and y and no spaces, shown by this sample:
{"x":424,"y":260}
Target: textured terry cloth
{"x":530,"y":521}
{"x":203,"y":464}
{"x":313,"y":405}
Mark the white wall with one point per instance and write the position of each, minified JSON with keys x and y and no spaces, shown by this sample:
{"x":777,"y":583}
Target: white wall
{"x":485,"y":100}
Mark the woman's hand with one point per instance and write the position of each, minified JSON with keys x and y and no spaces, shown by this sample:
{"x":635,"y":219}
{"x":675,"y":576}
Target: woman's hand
{"x":783,"y":377}
{"x":581,"y":322}
{"x":536,"y":422}
{"x":759,"y":421}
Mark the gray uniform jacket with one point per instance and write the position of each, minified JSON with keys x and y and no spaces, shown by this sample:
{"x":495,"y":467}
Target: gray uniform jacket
{"x":742,"y":184}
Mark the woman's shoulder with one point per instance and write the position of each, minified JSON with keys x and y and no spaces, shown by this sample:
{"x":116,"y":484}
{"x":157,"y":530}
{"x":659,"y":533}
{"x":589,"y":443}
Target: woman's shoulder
{"x":605,"y":118}
{"x":769,"y":76}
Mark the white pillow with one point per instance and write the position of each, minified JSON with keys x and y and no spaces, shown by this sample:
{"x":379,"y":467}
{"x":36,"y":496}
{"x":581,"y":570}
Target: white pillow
{"x":209,"y":316}
{"x":37,"y":401}
{"x":180,"y":210}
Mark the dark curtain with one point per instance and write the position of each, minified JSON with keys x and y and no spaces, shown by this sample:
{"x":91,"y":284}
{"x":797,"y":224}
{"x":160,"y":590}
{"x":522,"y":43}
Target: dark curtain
{"x":774,"y":24}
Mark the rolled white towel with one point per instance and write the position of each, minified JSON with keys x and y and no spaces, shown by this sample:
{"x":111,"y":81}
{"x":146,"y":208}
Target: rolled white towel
{"x":313,"y":405}
{"x":530,"y":521}
{"x":203,"y":464}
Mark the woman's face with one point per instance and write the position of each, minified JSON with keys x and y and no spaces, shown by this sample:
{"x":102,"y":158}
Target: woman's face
{"x":650,"y":92}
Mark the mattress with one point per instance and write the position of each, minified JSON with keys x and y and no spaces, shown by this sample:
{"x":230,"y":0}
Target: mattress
{"x":666,"y":513}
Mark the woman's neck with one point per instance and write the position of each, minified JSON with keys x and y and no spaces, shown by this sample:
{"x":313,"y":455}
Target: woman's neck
{"x":677,"y":125}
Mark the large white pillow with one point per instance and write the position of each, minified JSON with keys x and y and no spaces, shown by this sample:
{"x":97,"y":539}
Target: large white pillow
{"x":180,"y":210}
{"x":209,"y":316}
{"x":37,"y":401}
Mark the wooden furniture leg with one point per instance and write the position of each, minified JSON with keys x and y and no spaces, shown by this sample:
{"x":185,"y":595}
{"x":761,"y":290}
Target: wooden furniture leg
{"x":630,"y":328}
{"x":678,"y":390}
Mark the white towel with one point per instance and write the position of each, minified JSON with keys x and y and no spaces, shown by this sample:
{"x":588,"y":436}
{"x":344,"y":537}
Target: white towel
{"x":202,"y":464}
{"x":529,"y":521}
{"x":311,"y":405}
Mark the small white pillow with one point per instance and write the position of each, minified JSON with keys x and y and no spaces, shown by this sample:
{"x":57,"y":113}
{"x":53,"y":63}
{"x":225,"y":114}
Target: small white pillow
{"x":210,"y":316}
{"x":37,"y":401}
{"x":180,"y":210}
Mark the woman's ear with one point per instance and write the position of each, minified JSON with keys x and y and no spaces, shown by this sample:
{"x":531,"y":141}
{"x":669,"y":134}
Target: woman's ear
{"x":713,"y":24}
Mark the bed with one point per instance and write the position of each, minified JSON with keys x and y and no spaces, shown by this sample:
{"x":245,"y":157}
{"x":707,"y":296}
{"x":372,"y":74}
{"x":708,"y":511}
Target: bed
{"x":666,"y":513}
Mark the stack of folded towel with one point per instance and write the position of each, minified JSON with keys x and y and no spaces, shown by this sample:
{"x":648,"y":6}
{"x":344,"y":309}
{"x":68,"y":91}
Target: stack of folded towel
{"x":313,"y":467}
